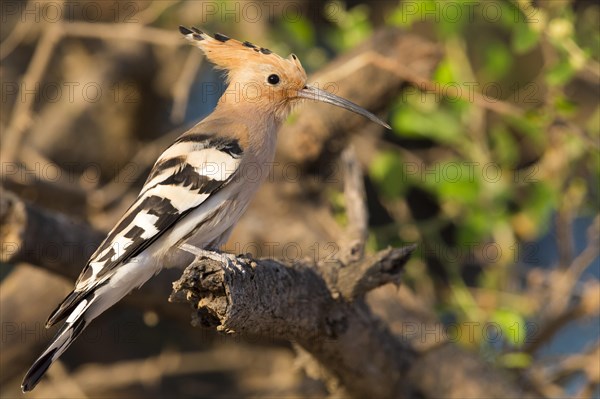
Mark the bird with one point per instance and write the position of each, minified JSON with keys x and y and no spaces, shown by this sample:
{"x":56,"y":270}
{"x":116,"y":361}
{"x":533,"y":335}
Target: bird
{"x":198,"y":187}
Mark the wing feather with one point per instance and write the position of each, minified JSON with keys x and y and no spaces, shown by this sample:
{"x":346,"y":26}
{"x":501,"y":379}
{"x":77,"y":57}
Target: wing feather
{"x":191,"y":170}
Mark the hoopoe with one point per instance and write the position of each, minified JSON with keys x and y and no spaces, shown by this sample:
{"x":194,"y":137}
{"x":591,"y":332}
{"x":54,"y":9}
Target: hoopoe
{"x":198,"y":188}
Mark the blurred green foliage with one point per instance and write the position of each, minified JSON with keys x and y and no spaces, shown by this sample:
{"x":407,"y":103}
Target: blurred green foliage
{"x":351,"y":26}
{"x":508,"y":139}
{"x":532,"y":154}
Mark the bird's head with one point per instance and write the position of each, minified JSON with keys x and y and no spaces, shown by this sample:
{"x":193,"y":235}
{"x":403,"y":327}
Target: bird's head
{"x":257,"y":75}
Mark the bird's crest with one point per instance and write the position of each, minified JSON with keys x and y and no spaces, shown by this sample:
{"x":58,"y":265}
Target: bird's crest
{"x":230,"y":54}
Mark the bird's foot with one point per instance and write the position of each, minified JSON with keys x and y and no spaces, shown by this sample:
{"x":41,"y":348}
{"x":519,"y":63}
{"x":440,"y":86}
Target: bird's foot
{"x":229,"y":260}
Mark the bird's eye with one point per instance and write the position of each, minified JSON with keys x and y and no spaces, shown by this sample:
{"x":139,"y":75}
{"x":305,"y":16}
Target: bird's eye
{"x":273,"y":79}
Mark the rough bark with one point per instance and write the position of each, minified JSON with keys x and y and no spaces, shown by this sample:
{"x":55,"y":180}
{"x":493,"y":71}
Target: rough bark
{"x":307,"y":304}
{"x":321,"y":307}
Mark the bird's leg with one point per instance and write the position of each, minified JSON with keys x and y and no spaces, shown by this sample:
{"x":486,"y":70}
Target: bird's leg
{"x":230,"y":260}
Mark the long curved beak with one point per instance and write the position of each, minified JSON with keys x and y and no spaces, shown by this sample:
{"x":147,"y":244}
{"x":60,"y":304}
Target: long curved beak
{"x":315,"y":94}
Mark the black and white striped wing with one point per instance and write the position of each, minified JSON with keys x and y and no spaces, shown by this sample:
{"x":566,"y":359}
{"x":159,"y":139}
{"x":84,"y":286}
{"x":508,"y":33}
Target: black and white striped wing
{"x":191,"y":170}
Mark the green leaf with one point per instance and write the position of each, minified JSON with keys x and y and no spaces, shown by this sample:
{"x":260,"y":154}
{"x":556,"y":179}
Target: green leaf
{"x":301,"y":30}
{"x":511,"y":324}
{"x":560,"y":74}
{"x":564,"y":106}
{"x":387,"y":172}
{"x":352,"y":26}
{"x":455,"y":180}
{"x":475,"y":223}
{"x":524,"y":38}
{"x":498,"y":60}
{"x":504,"y":145}
{"x":517,"y":360}
{"x":440,"y":125}
{"x":532,"y":125}
{"x":443,"y":73}
{"x":541,"y":200}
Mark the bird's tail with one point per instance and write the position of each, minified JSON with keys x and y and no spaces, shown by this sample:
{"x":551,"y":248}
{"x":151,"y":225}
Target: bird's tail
{"x":75,"y":324}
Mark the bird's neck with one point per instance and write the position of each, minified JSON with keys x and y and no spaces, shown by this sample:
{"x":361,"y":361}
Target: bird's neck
{"x":255,"y":127}
{"x":252,"y":99}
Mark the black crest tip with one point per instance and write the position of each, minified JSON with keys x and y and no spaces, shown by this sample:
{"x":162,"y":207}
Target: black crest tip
{"x":221,"y":37}
{"x":184,"y":30}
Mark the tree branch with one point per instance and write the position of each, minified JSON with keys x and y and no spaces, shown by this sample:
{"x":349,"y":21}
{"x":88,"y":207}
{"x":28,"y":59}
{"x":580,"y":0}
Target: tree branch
{"x":318,"y":307}
{"x":30,"y":234}
{"x":299,"y":302}
{"x":356,"y":208}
